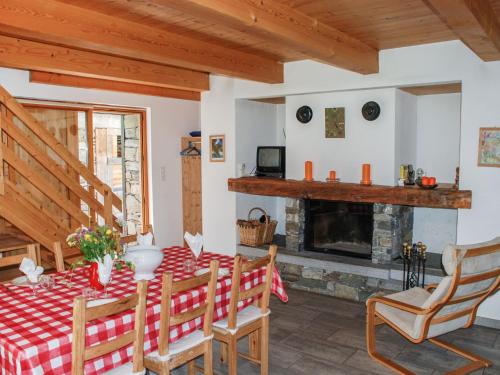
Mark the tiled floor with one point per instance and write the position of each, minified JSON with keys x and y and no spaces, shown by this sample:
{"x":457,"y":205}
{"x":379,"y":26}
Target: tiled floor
{"x":317,"y":335}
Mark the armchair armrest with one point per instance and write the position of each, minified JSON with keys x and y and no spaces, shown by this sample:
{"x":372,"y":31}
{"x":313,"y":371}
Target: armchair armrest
{"x":396,"y":304}
{"x":431,"y":287}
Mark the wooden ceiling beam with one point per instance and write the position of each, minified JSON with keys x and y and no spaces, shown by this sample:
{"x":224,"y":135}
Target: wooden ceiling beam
{"x":102,"y":84}
{"x":23,"y":54}
{"x":288,"y":26}
{"x":55,"y":22}
{"x":474,"y":22}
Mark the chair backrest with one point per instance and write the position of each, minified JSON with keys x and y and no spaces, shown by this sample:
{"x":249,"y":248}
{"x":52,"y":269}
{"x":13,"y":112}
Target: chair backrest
{"x":261,"y":291}
{"x":9,"y":259}
{"x":168,"y":318}
{"x":83,"y":314}
{"x":473,"y":275}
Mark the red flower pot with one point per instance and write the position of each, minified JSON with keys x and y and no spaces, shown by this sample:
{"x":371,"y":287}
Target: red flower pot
{"x":93,"y":275}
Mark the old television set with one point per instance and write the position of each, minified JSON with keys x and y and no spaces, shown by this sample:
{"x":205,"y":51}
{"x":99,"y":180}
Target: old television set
{"x":270,"y":161}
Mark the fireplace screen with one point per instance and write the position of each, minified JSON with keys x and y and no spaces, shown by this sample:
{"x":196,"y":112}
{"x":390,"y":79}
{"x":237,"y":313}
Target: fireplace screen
{"x":339,"y":227}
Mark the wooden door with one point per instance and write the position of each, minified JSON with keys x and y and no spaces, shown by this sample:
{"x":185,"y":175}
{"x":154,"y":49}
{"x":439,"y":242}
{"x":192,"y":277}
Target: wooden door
{"x":191,"y":188}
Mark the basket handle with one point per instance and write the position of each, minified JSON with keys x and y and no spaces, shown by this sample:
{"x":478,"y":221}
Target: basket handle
{"x":258,"y":209}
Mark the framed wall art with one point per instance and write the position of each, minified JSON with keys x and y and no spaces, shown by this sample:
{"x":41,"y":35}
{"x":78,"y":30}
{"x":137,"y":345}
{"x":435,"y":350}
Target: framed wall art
{"x":489,"y":147}
{"x":335,"y":122}
{"x":217,"y":148}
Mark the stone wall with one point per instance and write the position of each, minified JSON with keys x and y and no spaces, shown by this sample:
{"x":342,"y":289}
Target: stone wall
{"x":295,"y":224}
{"x":133,"y":191}
{"x":392,"y":226}
{"x":337,"y":284}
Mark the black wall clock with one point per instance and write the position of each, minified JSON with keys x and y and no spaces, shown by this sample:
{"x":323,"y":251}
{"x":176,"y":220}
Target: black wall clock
{"x":370,"y":111}
{"x":304,"y":114}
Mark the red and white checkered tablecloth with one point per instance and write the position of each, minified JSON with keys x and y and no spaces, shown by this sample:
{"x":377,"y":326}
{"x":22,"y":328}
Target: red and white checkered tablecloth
{"x":35,"y":332}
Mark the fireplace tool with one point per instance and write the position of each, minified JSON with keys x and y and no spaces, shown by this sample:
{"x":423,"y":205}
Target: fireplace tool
{"x":414,"y":265}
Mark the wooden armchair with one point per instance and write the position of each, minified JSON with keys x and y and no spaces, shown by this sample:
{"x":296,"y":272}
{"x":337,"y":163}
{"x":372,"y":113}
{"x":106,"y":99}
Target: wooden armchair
{"x":419,"y":315}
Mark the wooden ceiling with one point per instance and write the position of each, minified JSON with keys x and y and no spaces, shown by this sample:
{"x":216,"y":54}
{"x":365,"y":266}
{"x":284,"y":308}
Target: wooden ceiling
{"x":175,"y":44}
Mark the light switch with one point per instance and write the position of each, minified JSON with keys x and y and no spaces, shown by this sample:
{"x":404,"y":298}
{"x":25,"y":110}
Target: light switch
{"x":163,"y":174}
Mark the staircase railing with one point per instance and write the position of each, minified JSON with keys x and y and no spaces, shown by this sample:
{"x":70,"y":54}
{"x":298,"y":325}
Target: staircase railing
{"x":11,"y":134}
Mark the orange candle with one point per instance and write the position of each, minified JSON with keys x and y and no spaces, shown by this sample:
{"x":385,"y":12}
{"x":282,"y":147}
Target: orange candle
{"x":432,"y":181}
{"x":308,"y":169}
{"x":366,"y":175}
{"x":333,"y":175}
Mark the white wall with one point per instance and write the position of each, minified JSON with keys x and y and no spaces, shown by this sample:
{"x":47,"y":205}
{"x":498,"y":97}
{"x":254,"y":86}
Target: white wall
{"x":365,"y":141}
{"x":167,"y":120}
{"x":431,"y":63}
{"x":256,"y":125}
{"x":406,"y":131}
{"x":438,"y":145}
{"x":218,"y":204}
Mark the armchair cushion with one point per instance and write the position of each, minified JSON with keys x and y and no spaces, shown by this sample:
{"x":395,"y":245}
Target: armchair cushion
{"x":402,"y":319}
{"x":471,"y":265}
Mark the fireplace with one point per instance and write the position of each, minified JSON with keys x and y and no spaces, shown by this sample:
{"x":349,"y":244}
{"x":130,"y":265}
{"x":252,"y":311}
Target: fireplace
{"x":344,"y":228}
{"x":375,"y":231}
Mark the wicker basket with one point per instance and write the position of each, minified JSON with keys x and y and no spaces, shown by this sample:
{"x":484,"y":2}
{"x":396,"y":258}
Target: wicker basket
{"x":253,"y":232}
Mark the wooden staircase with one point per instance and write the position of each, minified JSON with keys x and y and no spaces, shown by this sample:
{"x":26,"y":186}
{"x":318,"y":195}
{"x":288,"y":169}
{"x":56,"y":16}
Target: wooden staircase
{"x":23,"y":158}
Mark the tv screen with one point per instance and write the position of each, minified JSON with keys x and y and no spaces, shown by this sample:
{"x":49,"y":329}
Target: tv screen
{"x":269,"y":158}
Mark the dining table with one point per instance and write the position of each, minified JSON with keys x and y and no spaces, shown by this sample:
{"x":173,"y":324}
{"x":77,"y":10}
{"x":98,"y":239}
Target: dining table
{"x":36,"y":329}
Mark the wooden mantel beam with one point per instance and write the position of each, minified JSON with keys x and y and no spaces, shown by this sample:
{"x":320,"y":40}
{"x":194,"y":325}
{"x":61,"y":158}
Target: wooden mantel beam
{"x":474,"y":22}
{"x":23,"y":54}
{"x":55,"y":22}
{"x":283,"y":24}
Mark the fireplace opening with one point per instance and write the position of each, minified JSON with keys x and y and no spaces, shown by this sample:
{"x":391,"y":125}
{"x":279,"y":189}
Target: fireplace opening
{"x":344,"y":228}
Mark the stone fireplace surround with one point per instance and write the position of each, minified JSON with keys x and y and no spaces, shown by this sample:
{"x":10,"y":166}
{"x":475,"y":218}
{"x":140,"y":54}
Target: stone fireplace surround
{"x":393,"y":225}
{"x":343,"y":276}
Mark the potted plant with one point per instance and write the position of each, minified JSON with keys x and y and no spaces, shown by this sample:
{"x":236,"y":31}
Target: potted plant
{"x":100,"y":248}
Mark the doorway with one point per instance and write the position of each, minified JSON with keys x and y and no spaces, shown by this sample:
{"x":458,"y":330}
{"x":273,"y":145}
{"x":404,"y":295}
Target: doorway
{"x":111,"y":142}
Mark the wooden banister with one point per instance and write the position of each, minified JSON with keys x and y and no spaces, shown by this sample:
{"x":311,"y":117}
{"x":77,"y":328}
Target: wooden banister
{"x":63,"y":188}
{"x":22,"y":114}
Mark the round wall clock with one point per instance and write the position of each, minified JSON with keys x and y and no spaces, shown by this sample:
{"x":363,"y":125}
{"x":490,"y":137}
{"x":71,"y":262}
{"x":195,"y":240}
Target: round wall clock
{"x":370,"y":111}
{"x":304,"y":114}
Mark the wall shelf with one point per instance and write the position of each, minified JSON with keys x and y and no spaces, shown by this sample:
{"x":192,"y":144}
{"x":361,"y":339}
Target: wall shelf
{"x":444,"y":196}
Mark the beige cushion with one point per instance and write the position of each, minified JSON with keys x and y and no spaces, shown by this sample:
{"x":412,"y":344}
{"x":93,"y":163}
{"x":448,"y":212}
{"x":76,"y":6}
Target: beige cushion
{"x":247,"y":315}
{"x":403,"y":319}
{"x":185,"y":343}
{"x":471,"y":265}
{"x":125,"y":369}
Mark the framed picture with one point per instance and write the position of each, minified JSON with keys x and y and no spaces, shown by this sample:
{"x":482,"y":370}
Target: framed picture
{"x":489,"y":147}
{"x":335,"y":122}
{"x":217,"y":148}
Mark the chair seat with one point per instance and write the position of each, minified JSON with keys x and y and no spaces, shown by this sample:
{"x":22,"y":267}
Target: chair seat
{"x":403,"y":319}
{"x":126,"y":369}
{"x":247,"y":315}
{"x":181,"y":345}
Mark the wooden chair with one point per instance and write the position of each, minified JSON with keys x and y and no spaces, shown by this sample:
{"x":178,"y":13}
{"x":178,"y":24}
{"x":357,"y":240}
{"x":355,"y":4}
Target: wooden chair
{"x":188,"y":348}
{"x":419,"y":315}
{"x":30,"y":250}
{"x":83,"y":314}
{"x":252,"y":321}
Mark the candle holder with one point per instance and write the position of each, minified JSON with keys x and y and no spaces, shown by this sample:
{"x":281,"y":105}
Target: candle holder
{"x":414,"y":258}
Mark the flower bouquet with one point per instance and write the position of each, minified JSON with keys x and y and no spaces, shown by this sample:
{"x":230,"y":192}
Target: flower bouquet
{"x":101,"y":248}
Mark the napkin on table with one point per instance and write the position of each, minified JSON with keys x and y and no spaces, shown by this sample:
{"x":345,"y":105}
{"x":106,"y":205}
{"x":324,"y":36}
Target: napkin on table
{"x":145,"y":239}
{"x":195,"y":243}
{"x":29,"y":268}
